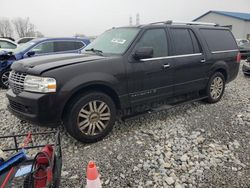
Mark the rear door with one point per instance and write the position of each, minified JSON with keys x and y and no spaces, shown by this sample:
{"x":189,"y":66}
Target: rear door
{"x":190,"y":65}
{"x":151,"y":79}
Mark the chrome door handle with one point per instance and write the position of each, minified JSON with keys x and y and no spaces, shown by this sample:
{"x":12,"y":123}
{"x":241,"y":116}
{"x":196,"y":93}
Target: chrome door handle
{"x":166,"y":66}
{"x":203,"y":61}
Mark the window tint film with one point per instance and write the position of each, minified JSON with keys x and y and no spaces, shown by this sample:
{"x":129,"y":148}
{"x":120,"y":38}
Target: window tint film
{"x":62,"y":46}
{"x":155,"y":38}
{"x":219,"y":40}
{"x":196,"y":44}
{"x":182,"y":41}
{"x":44,"y":48}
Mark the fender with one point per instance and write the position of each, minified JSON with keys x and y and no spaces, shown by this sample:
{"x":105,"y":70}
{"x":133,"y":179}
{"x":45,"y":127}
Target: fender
{"x":219,"y":65}
{"x":81,"y":81}
{"x":5,"y":65}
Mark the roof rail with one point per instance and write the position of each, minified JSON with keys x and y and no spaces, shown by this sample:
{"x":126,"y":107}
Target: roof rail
{"x":170,"y":22}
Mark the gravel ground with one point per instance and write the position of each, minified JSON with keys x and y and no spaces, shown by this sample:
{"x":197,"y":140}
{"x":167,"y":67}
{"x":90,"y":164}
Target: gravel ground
{"x":193,"y":145}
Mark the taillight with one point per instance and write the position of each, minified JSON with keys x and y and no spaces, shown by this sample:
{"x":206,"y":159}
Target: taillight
{"x":238,"y":57}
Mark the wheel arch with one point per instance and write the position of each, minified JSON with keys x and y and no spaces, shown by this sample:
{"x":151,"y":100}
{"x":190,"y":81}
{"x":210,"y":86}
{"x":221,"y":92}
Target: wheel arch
{"x":97,"y":87}
{"x":221,"y":67}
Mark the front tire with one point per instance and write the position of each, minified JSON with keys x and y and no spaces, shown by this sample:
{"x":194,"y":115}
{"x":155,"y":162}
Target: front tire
{"x":215,"y":88}
{"x":90,"y":117}
{"x":4,"y":79}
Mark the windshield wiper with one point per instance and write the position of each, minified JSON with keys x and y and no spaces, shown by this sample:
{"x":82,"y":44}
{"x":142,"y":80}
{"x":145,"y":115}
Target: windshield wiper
{"x":98,"y":52}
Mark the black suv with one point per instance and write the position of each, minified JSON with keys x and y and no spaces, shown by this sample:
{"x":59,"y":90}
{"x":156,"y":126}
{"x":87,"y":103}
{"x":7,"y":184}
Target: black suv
{"x":124,"y":72}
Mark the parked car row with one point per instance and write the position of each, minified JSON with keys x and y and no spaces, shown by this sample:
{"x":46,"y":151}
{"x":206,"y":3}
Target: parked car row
{"x":246,"y":67}
{"x":245,"y":50}
{"x":7,"y":44}
{"x":38,"y":47}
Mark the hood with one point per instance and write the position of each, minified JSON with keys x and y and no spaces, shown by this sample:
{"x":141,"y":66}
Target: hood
{"x":38,"y":65}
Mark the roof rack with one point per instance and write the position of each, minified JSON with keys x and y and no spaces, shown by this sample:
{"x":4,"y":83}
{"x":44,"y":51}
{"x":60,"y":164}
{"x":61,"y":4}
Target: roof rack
{"x":170,"y":22}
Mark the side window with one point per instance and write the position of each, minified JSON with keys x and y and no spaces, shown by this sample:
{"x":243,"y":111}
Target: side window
{"x":196,"y":44}
{"x":79,"y":45}
{"x":219,"y":39}
{"x":62,"y":46}
{"x":182,"y":41}
{"x":44,"y":48}
{"x":7,"y":45}
{"x":157,"y":39}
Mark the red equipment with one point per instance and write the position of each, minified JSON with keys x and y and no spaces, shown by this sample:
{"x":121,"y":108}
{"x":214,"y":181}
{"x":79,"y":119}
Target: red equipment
{"x":42,"y":167}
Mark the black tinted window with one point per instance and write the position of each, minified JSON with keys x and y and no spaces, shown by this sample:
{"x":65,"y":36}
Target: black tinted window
{"x":196,"y":44}
{"x":219,"y":40}
{"x":61,"y":46}
{"x":182,"y":41}
{"x":155,"y":38}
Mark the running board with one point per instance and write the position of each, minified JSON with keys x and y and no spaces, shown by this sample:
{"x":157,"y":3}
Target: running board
{"x":160,"y":108}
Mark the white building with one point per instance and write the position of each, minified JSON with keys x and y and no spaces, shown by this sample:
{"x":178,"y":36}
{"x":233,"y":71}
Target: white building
{"x":238,"y":22}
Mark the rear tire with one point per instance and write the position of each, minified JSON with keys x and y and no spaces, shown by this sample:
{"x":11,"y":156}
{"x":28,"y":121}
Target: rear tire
{"x":90,"y":117}
{"x":4,"y":77}
{"x":215,"y":88}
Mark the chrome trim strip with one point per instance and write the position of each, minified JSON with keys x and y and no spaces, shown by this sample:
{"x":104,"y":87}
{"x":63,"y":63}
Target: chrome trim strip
{"x":224,"y":51}
{"x":170,"y":57}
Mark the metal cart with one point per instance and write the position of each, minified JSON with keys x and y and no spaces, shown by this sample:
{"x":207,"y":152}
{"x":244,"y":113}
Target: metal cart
{"x":43,"y":170}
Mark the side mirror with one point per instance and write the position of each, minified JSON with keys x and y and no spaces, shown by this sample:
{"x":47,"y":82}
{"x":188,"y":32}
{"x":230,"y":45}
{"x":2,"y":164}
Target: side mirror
{"x":143,"y":53}
{"x":31,"y":53}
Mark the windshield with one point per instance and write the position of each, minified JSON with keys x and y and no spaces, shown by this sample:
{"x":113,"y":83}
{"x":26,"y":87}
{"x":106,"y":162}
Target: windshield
{"x":23,"y":47}
{"x":114,"y":41}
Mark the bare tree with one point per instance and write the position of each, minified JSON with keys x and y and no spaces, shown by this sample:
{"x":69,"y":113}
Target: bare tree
{"x":5,"y":28}
{"x":39,"y":34}
{"x":23,"y":27}
{"x":79,"y":35}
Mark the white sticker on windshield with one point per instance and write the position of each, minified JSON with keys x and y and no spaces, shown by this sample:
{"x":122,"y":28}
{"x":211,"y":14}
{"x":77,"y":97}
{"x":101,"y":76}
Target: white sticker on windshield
{"x":119,"y":41}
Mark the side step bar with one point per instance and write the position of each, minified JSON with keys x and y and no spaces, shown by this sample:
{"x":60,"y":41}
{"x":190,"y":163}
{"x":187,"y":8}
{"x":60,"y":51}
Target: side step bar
{"x":160,"y":108}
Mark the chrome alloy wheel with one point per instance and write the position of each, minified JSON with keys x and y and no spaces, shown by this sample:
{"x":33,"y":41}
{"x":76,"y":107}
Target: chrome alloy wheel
{"x":216,"y":87}
{"x":94,"y":117}
{"x":5,"y":78}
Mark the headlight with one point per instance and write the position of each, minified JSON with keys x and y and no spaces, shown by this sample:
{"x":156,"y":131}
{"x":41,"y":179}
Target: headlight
{"x":39,"y":84}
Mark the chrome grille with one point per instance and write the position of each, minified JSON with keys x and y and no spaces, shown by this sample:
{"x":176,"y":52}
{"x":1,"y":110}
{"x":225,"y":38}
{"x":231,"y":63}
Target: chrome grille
{"x":16,"y":81}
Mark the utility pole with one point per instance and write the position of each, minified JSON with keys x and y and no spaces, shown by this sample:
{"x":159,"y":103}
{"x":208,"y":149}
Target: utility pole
{"x":130,"y":21}
{"x":137,"y":19}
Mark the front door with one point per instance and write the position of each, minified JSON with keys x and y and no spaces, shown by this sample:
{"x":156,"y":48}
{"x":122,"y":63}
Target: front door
{"x":151,"y":79}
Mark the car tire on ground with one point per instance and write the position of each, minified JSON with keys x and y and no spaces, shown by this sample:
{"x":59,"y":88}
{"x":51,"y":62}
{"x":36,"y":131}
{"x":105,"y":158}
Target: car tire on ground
{"x":90,"y":117}
{"x":215,"y":87}
{"x":4,"y":77}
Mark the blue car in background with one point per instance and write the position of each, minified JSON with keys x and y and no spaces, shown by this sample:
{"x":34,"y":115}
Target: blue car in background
{"x":38,"y":47}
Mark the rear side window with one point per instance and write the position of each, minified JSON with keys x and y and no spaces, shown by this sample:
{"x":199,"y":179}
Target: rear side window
{"x":219,"y":40}
{"x":184,"y":41}
{"x":62,"y":46}
{"x":157,"y":39}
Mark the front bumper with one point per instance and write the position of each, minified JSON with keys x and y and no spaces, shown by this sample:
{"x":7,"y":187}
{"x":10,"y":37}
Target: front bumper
{"x":246,"y":69}
{"x":40,"y":109}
